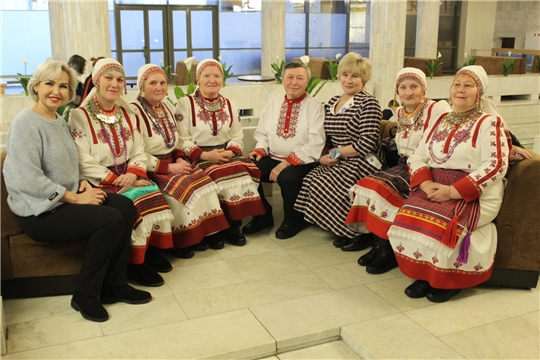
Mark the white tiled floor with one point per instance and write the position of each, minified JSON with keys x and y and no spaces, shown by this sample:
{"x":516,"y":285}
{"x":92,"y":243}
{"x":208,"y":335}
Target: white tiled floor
{"x":275,"y":299}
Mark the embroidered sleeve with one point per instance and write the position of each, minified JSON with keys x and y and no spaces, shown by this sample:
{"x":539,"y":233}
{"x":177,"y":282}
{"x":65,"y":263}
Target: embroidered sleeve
{"x":183,"y":116}
{"x":84,"y":137}
{"x":293,"y":159}
{"x":492,"y":141}
{"x":144,"y":128}
{"x":261,"y":152}
{"x":136,"y":154}
{"x":236,"y":132}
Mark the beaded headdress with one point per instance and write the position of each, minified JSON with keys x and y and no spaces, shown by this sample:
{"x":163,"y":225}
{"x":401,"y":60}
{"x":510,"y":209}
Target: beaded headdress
{"x":205,"y":64}
{"x":104,"y":66}
{"x":414,"y":74}
{"x":144,"y":73}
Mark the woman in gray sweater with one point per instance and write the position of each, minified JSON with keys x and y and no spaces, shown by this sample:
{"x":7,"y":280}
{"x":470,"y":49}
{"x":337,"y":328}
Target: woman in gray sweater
{"x":53,"y":204}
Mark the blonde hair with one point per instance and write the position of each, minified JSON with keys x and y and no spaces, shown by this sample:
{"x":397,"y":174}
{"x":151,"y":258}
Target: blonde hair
{"x":50,"y":70}
{"x":356,"y":64}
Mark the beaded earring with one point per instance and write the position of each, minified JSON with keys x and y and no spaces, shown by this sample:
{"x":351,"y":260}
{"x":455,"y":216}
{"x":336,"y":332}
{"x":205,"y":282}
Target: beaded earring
{"x":143,"y":94}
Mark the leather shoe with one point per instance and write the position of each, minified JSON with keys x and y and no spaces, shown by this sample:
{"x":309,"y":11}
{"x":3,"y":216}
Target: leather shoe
{"x":126,"y":293}
{"x":417,"y":289}
{"x":361,"y":242}
{"x":342,"y":241}
{"x":441,"y":295}
{"x":288,"y":231}
{"x":258,"y":223}
{"x":156,"y":261}
{"x":234,"y":235}
{"x":144,"y":274}
{"x":368,"y":257}
{"x":384,"y":261}
{"x":202,"y":246}
{"x":215,"y":241}
{"x":89,"y":307}
{"x":183,"y":253}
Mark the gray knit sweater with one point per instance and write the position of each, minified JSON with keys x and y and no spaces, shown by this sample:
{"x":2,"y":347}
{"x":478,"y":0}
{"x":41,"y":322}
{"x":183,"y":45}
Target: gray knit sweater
{"x":41,"y":163}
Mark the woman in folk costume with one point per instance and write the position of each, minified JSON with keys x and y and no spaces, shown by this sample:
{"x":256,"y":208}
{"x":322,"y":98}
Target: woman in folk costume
{"x":377,"y":198}
{"x":112,"y":157}
{"x":352,"y":126}
{"x":191,"y":194}
{"x":211,"y":135}
{"x":443,"y":236}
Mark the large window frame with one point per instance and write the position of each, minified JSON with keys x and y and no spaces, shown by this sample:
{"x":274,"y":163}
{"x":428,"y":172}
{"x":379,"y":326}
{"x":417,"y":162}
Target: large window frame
{"x":168,"y":49}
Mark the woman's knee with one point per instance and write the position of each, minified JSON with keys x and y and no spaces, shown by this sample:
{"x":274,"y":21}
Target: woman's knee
{"x":123,"y":205}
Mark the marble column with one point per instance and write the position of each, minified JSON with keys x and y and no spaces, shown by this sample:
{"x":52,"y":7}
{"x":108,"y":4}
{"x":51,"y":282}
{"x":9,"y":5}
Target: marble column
{"x":79,"y":27}
{"x":273,"y":34}
{"x":387,"y":45}
{"x":427,"y":28}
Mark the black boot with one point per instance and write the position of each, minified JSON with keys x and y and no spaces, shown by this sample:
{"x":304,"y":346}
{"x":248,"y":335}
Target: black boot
{"x":89,"y":307}
{"x":233,"y":234}
{"x":368,"y":257}
{"x":385,"y":260}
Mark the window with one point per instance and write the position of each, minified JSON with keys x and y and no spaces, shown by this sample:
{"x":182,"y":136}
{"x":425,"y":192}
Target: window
{"x":317,"y":28}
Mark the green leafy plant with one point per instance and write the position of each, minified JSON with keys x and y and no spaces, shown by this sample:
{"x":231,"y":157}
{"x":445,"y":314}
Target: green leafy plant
{"x":333,"y":67}
{"x":315,"y":83}
{"x":467,"y":61}
{"x":434,"y":66}
{"x":166,"y":70}
{"x":227,"y":73}
{"x":508,"y":65}
{"x":278,"y":70}
{"x":23,"y":80}
{"x":537,"y":65}
{"x":180,"y":93}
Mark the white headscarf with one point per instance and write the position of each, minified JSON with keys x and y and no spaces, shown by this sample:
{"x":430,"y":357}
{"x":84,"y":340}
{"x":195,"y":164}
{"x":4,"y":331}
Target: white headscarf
{"x":144,"y":73}
{"x":206,"y":63}
{"x":477,"y":74}
{"x":102,"y":67}
{"x":410,"y":73}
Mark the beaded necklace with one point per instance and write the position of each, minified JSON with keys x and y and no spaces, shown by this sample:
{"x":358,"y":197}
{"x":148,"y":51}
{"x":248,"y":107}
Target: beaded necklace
{"x":106,"y":116}
{"x":98,"y":114}
{"x":212,"y":109}
{"x":410,"y":121}
{"x":451,"y":131}
{"x":160,"y":120}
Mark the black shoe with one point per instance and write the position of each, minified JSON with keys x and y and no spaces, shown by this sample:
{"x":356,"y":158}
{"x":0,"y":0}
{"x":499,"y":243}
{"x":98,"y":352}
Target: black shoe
{"x":384,"y":261}
{"x":89,"y":307}
{"x":202,"y":246}
{"x":234,"y":235}
{"x":288,"y":231}
{"x":126,"y":293}
{"x":215,"y":241}
{"x":361,"y":242}
{"x":417,"y":289}
{"x":441,"y":295}
{"x":144,"y":274}
{"x":184,"y":253}
{"x":258,"y":223}
{"x":342,"y":241}
{"x":368,"y":257}
{"x":156,"y":261}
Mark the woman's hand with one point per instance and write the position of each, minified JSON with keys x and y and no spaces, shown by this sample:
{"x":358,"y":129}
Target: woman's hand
{"x":126,"y":180}
{"x":92,"y":196}
{"x":84,"y":185}
{"x":439,"y":193}
{"x":325,"y":160}
{"x":277,"y":170}
{"x":142,"y":182}
{"x":218,"y":156}
{"x":518,"y":153}
{"x":180,"y":167}
{"x":255,"y":156}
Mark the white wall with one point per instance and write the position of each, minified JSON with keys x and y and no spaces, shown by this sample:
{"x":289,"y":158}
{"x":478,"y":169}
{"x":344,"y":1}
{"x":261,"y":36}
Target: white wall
{"x":476,"y":28}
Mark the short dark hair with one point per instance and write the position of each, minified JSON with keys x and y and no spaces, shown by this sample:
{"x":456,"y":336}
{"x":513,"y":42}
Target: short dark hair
{"x":392,"y":103}
{"x":77,"y":63}
{"x":295,"y":65}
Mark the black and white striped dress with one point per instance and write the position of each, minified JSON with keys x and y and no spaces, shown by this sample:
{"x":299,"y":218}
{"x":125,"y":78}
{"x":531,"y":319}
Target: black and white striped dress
{"x":324,"y":197}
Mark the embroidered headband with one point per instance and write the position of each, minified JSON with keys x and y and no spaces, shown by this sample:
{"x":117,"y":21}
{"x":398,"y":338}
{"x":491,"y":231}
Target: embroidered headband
{"x":153,"y":70}
{"x":205,"y":64}
{"x":106,"y":69}
{"x":471,"y":75}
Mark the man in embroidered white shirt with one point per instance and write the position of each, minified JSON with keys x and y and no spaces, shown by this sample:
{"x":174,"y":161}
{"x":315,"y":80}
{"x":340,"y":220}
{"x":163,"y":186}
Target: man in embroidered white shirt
{"x":290,"y":138}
